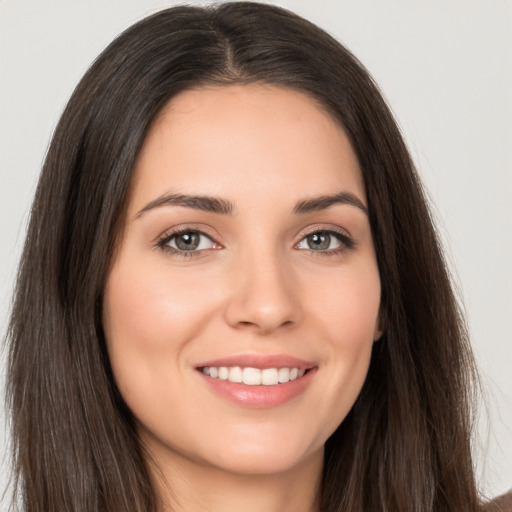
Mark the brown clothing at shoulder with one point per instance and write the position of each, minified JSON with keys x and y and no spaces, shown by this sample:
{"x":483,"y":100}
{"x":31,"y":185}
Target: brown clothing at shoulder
{"x":500,"y":504}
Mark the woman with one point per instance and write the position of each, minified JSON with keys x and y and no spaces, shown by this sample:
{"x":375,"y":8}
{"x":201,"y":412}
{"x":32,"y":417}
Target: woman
{"x":231,"y":294}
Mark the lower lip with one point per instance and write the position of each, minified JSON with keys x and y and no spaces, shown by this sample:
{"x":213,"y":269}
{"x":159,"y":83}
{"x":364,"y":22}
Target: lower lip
{"x":259,"y":397}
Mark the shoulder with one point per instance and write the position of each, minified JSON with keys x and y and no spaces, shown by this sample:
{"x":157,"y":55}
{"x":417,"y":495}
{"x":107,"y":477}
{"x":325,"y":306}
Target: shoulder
{"x":500,"y":504}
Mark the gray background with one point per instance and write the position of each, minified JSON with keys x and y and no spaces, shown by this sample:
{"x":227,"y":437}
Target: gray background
{"x":446,"y":69}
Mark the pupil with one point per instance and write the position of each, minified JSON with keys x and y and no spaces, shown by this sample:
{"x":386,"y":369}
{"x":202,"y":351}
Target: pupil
{"x":187,"y":241}
{"x":319,"y":241}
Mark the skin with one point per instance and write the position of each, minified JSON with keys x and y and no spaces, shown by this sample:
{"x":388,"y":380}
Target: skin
{"x":254,"y":286}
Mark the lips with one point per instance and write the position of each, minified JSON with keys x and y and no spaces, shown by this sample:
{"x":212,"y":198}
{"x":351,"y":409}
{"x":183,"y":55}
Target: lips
{"x":257,"y":381}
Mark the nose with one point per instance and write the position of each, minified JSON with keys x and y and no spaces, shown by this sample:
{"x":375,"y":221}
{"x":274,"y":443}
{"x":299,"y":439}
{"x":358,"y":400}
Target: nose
{"x":263,"y":296}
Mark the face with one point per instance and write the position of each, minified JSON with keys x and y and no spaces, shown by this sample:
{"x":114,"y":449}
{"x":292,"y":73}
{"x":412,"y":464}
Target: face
{"x":243,"y":302}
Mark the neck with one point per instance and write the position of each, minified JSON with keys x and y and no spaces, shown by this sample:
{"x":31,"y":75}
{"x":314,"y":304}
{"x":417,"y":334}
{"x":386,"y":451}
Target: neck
{"x":187,"y":486}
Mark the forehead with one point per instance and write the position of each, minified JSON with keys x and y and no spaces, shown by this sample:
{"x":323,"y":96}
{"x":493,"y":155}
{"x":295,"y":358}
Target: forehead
{"x":257,"y":139}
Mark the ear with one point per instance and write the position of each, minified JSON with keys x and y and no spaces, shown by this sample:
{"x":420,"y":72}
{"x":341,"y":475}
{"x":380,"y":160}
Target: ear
{"x":379,"y":326}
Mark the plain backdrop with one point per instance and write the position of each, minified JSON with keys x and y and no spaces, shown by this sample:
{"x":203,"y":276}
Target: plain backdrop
{"x":445,"y":67}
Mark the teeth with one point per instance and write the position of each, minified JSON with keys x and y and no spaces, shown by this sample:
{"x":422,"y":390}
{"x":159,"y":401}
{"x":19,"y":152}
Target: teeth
{"x":235,"y":374}
{"x":269,"y":376}
{"x":283,"y":374}
{"x":251,"y":376}
{"x":254,"y":376}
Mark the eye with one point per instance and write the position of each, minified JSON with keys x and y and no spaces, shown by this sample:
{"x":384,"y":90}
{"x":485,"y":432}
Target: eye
{"x":325,"y":241}
{"x":187,"y":241}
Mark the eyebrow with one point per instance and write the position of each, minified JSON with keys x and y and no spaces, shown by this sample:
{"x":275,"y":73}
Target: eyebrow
{"x":224,"y":207}
{"x":205,"y":203}
{"x":323,"y":202}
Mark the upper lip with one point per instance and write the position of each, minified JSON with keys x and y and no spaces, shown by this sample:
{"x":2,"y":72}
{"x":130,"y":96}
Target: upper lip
{"x":259,"y":361}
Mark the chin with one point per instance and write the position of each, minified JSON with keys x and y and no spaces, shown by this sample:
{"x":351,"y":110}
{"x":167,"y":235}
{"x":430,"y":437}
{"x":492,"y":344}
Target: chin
{"x":265,"y":461}
{"x":264,"y":451}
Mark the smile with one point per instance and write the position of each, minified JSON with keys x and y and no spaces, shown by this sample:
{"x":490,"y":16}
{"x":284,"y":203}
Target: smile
{"x":254,"y":376}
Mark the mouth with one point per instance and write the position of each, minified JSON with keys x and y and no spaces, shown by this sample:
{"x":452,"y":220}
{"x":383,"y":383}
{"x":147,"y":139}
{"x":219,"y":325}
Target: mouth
{"x":258,"y":381}
{"x":254,"y":376}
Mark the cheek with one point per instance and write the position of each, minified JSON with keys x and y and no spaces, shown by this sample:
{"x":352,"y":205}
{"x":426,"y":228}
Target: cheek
{"x":148,"y":318}
{"x":348,"y":315}
{"x":357,"y":324}
{"x":348,"y":306}
{"x":145,"y":306}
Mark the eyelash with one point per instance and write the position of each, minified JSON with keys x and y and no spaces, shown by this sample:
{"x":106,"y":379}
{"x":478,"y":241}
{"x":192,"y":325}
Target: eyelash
{"x":345,"y":240}
{"x":165,"y":238}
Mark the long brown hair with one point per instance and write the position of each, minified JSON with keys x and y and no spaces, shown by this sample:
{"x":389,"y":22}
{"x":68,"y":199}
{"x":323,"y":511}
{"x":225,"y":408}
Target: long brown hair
{"x":405,"y":445}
